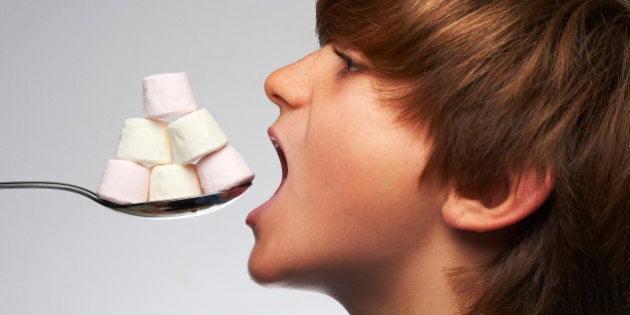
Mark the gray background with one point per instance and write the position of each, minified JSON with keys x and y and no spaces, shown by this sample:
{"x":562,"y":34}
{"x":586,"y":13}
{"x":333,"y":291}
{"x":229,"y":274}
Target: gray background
{"x":70,"y":74}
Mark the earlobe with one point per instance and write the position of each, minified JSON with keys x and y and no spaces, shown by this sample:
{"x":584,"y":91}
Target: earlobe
{"x":505,"y":206}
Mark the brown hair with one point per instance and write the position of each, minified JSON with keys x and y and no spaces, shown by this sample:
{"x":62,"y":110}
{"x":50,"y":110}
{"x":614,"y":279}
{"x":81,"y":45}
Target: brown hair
{"x":507,"y":84}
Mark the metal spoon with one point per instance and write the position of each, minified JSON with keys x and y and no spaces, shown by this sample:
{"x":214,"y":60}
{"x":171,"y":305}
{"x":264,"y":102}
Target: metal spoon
{"x":184,"y":207}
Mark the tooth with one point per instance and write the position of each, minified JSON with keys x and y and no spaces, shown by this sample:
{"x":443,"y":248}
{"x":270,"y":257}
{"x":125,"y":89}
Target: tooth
{"x":274,"y":142}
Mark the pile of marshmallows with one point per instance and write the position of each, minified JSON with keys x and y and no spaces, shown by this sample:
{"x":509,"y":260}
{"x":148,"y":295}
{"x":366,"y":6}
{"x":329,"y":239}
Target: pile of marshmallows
{"x":144,"y":168}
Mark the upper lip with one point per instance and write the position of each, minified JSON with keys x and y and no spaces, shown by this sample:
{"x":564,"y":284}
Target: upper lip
{"x":279,"y":149}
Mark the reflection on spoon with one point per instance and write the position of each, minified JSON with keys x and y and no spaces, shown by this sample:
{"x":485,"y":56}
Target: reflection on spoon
{"x":184,"y":207}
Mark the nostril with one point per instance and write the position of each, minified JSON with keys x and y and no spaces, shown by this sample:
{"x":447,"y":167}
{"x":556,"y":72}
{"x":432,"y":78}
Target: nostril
{"x":278,"y":100}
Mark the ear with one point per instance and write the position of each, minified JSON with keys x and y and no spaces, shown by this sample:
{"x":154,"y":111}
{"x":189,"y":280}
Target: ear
{"x":512,"y":202}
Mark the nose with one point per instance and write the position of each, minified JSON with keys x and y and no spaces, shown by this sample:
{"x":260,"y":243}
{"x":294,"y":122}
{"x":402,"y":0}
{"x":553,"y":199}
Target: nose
{"x":291,"y":85}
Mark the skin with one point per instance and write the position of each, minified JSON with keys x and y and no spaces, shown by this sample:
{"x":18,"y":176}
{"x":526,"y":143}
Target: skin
{"x":352,"y":218}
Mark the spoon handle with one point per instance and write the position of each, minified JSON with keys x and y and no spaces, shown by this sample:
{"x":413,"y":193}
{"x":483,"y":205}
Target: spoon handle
{"x":51,"y":185}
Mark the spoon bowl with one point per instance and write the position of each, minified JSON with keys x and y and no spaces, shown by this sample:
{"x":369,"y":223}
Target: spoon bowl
{"x":172,"y":208}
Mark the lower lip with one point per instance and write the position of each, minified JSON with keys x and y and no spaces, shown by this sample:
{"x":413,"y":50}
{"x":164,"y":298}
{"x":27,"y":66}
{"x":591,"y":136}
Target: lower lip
{"x":253,"y":216}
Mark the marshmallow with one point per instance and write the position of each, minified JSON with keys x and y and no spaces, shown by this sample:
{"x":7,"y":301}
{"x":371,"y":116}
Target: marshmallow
{"x":146,"y":141}
{"x":196,"y":135}
{"x":222,"y":170}
{"x":167,"y":94}
{"x":124,"y":182}
{"x":173,"y":181}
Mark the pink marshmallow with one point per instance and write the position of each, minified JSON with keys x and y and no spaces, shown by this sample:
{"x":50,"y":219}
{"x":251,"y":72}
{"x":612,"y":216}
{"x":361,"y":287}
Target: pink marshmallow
{"x":124,"y":182}
{"x":222,"y":170}
{"x":167,"y":94}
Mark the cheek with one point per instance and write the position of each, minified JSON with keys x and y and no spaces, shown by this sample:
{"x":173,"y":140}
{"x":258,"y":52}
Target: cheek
{"x":361,"y":189}
{"x":358,"y":150}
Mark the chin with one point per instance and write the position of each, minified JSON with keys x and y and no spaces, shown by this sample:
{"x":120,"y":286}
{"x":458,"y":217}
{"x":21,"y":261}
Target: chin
{"x":274,"y":270}
{"x":262,"y":270}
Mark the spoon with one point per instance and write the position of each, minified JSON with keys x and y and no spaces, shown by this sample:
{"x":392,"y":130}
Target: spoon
{"x":184,"y":207}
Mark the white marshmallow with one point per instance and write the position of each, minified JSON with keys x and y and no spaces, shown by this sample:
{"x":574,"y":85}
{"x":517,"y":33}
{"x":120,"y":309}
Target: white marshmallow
{"x":146,"y":141}
{"x":222,"y":170}
{"x":167,"y":94}
{"x":124,"y":182}
{"x":173,"y":181}
{"x":196,"y":135}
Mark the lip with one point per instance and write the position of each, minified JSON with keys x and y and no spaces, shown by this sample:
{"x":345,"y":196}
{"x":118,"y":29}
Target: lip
{"x":253,"y":216}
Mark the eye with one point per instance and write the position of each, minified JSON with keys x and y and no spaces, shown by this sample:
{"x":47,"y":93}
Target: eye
{"x":350,"y":64}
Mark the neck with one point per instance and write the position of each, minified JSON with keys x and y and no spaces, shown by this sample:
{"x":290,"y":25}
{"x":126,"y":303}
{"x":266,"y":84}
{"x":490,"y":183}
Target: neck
{"x":420,"y":283}
{"x":398,"y":292}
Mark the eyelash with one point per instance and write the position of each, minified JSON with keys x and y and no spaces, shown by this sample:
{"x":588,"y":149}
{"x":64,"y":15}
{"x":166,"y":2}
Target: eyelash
{"x":350,"y":65}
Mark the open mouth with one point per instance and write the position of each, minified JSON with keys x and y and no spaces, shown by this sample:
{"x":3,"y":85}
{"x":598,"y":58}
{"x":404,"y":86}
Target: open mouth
{"x":283,"y":160}
{"x":252,"y":217}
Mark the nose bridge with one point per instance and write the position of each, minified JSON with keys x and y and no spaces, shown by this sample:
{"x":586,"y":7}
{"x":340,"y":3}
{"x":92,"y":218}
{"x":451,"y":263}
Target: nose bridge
{"x":291,"y":85}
